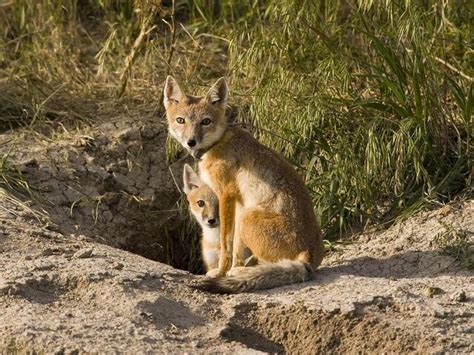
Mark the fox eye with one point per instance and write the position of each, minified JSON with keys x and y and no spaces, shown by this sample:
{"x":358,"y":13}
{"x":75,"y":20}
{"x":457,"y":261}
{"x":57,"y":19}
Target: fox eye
{"x":180,"y":120}
{"x":200,"y":203}
{"x":206,"y":122}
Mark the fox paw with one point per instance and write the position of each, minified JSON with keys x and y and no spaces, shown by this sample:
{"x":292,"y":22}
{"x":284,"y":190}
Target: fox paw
{"x":213,"y":273}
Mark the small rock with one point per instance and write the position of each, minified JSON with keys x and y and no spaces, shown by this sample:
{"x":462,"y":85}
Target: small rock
{"x":83,"y":254}
{"x":117,"y":266}
{"x":459,"y":296}
{"x":13,"y":290}
{"x":53,"y":227}
{"x":196,"y":344}
{"x":439,"y":313}
{"x":43,"y":267}
{"x":123,"y":180}
{"x":5,"y":287}
{"x":129,"y":134}
{"x":47,"y":252}
{"x":430,"y":291}
{"x":148,"y":132}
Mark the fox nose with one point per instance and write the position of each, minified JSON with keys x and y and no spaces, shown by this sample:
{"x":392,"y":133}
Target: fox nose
{"x":211,"y":221}
{"x":191,"y":143}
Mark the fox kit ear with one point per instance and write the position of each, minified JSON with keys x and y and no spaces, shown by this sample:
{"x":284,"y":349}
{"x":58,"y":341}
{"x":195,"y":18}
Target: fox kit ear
{"x":190,"y":178}
{"x":172,"y":92}
{"x":217,"y":95}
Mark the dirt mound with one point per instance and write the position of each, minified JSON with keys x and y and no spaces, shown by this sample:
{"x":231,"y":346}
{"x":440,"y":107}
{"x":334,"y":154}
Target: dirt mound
{"x":290,"y":329}
{"x":391,"y":292}
{"x":114,"y":184}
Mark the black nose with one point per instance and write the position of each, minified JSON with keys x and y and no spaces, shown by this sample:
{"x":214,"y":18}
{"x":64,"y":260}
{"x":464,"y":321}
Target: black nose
{"x":211,"y":221}
{"x":191,"y":143}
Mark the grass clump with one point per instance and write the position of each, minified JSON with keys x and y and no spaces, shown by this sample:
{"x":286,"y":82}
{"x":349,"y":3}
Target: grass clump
{"x":455,"y":242}
{"x":15,"y":191}
{"x":11,"y":179}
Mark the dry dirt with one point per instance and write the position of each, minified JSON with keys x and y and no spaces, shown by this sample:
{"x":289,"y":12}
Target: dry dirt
{"x":68,"y":287}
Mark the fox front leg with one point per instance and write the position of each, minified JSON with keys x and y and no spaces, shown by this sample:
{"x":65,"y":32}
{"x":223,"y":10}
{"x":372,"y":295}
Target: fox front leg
{"x":227,"y":204}
{"x":238,"y":248}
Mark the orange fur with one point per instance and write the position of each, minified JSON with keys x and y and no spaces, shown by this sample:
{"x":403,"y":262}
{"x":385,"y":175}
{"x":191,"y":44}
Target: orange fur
{"x":263,"y":202}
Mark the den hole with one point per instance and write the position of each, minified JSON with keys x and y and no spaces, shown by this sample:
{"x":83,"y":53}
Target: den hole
{"x":177,"y":243}
{"x":118,"y":186}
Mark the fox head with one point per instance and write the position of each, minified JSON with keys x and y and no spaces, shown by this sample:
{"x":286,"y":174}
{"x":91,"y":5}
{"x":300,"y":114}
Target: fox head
{"x":196,"y":122}
{"x":203,"y":202}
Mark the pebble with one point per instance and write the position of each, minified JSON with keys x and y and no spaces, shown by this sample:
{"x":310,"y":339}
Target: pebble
{"x":430,"y":291}
{"x":117,"y":266}
{"x":83,"y":254}
{"x":4,"y":288}
{"x":459,"y":296}
{"x":53,"y":227}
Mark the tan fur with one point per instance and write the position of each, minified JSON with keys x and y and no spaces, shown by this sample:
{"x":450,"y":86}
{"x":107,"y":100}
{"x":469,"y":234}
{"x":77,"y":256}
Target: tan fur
{"x":263,"y":202}
{"x":196,"y":191}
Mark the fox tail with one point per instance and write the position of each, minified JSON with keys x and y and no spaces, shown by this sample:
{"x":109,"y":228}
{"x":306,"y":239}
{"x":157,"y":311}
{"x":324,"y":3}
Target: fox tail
{"x":259,"y":277}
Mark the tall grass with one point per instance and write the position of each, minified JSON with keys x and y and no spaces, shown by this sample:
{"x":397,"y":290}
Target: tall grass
{"x":374,"y":100}
{"x":371,"y":100}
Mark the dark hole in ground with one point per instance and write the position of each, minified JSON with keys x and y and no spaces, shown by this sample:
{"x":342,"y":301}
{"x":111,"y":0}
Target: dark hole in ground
{"x":176,"y":243}
{"x":117,"y":186}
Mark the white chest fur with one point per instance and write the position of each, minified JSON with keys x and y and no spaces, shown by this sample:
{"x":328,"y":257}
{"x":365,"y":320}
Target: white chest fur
{"x":210,"y":235}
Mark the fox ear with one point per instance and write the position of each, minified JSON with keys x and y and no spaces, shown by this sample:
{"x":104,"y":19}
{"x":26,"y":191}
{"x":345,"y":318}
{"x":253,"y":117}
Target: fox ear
{"x":217,"y":94}
{"x":190,"y":178}
{"x":172,"y":92}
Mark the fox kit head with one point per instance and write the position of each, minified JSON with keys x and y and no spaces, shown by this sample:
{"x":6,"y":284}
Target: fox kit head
{"x":202,"y":200}
{"x":196,"y":122}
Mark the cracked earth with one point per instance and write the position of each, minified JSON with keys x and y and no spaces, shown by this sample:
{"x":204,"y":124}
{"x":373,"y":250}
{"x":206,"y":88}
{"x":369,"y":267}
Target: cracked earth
{"x":71,"y":279}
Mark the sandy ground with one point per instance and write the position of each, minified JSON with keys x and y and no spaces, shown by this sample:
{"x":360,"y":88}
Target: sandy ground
{"x":67,"y":287}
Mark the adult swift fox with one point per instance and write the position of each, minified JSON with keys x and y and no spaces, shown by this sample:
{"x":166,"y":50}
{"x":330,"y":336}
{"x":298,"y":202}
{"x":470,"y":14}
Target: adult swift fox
{"x":204,"y":205}
{"x":263,"y":202}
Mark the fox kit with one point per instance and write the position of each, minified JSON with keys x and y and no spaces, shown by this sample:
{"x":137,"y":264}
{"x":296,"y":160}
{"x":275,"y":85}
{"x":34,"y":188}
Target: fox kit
{"x":204,"y":205}
{"x":263,"y":202}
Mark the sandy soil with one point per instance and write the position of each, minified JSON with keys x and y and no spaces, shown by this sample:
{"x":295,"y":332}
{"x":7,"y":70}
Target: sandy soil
{"x":67,"y":287}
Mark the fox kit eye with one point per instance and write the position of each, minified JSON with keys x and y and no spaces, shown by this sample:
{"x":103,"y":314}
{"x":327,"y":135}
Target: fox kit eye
{"x":180,"y":120}
{"x":206,"y":122}
{"x":200,"y":203}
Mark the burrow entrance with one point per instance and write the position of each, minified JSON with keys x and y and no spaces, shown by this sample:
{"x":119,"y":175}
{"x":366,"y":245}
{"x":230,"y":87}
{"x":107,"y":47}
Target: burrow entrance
{"x":116,"y":185}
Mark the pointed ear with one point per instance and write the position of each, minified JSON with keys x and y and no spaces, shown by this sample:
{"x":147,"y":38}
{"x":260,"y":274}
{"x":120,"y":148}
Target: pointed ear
{"x":172,"y":92}
{"x":190,"y":178}
{"x":217,"y":95}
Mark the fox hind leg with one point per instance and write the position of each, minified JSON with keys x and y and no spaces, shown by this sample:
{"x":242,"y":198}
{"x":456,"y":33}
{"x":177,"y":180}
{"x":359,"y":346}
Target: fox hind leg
{"x":269,"y":236}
